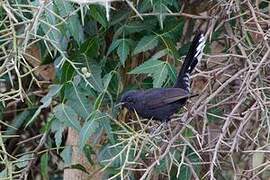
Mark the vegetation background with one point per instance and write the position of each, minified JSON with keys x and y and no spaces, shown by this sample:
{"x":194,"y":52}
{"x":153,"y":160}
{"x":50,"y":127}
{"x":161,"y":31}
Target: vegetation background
{"x":64,"y":65}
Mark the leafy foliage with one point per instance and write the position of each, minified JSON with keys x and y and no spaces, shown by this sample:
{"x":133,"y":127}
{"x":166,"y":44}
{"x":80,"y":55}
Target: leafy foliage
{"x":65,"y":65}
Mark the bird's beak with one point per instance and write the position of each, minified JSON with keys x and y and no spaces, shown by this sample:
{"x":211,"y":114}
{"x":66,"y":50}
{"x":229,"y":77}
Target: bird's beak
{"x":119,"y":104}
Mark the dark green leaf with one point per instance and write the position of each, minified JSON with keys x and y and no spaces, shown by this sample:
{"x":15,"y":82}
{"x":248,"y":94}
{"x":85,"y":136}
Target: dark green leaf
{"x":91,"y":47}
{"x":99,"y":14}
{"x":44,"y":165}
{"x":146,"y":43}
{"x":123,"y":50}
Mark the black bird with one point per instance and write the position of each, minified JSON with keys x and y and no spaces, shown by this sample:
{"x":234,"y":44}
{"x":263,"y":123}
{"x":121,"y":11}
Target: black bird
{"x":161,"y":103}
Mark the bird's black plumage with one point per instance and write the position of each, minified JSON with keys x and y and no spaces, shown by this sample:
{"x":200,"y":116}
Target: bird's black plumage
{"x":161,"y":103}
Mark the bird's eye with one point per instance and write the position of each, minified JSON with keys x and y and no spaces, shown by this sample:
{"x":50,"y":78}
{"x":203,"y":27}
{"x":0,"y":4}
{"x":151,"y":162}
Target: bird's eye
{"x":129,"y":99}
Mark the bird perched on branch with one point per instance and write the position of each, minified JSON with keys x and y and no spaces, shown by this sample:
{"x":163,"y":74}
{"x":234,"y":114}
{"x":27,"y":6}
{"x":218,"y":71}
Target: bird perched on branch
{"x":161,"y":103}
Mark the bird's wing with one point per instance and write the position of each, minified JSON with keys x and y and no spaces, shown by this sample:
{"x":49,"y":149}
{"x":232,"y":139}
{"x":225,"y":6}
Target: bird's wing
{"x":162,"y":96}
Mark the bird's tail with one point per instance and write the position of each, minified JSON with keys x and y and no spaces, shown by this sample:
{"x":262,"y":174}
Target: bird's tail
{"x":193,"y":57}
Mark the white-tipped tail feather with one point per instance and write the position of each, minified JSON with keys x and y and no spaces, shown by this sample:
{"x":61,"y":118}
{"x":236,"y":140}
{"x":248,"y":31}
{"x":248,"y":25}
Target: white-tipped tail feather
{"x":193,"y":57}
{"x":200,"y":48}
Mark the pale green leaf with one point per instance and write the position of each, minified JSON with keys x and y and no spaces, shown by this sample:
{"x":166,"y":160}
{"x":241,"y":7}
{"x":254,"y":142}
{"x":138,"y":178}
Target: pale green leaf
{"x":66,"y":155}
{"x":90,"y":127}
{"x":257,"y":159}
{"x":72,"y":24}
{"x":23,"y":160}
{"x":46,"y":100}
{"x":67,"y":115}
{"x":58,"y":128}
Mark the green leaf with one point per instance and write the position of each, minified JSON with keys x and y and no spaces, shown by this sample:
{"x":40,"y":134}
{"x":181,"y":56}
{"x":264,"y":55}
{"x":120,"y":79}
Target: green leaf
{"x":149,"y":66}
{"x":66,"y":155}
{"x":113,"y":46}
{"x":18,"y":121}
{"x":58,"y":128}
{"x":171,"y":72}
{"x":88,"y":151}
{"x":160,"y":7}
{"x":110,"y":152}
{"x":160,"y":76}
{"x":90,"y":127}
{"x":95,"y":78}
{"x":77,"y":100}
{"x":91,"y":47}
{"x":67,"y":72}
{"x":146,"y":43}
{"x":73,"y":25}
{"x":156,"y":68}
{"x":23,"y":160}
{"x":49,"y":26}
{"x":44,"y":165}
{"x":79,"y":167}
{"x":123,"y":50}
{"x":99,"y":14}
{"x":67,"y":115}
{"x":46,"y":101}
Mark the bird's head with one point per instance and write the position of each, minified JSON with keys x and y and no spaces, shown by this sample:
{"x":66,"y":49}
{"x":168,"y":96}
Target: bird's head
{"x":128,"y":99}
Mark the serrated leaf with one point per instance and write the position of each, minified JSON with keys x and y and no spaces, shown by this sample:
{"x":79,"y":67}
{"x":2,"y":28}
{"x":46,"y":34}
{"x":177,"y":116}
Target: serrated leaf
{"x":67,"y":115}
{"x":91,"y":47}
{"x":123,"y":51}
{"x":160,"y":76}
{"x":146,"y":43}
{"x":171,"y":72}
{"x":113,"y":46}
{"x":149,"y":66}
{"x":73,"y":24}
{"x":159,"y":54}
{"x":46,"y":100}
{"x":99,"y":14}
{"x":77,"y":100}
{"x":23,"y":160}
{"x":160,"y":7}
{"x":90,"y":127}
{"x":58,"y":128}
{"x":49,"y":27}
{"x":66,"y":155}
